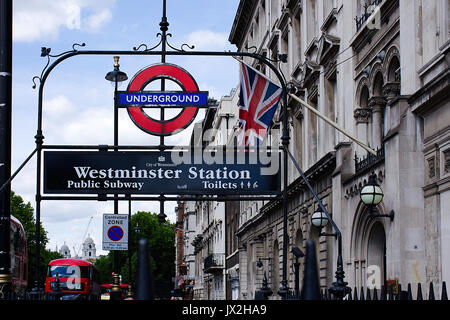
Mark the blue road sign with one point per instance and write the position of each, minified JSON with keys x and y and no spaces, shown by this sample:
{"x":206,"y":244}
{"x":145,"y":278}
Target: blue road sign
{"x":115,"y":233}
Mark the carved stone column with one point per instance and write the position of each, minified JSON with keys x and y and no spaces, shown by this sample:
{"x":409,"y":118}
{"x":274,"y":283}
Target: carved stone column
{"x":362,"y":116}
{"x":377,"y":105}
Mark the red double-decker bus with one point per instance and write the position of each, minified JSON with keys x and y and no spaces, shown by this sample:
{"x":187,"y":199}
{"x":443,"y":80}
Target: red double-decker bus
{"x":73,"y":276}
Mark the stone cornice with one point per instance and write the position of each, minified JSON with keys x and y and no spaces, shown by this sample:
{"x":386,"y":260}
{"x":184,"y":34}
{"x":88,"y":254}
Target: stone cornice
{"x":242,"y":21}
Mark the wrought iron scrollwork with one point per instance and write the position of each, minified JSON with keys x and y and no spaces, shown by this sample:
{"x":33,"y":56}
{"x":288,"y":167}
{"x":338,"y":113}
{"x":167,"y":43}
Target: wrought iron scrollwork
{"x":181,"y":48}
{"x":45,"y":52}
{"x":252,"y":47}
{"x":143,"y":45}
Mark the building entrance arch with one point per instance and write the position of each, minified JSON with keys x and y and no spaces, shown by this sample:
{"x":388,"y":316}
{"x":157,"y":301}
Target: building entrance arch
{"x":368,"y":249}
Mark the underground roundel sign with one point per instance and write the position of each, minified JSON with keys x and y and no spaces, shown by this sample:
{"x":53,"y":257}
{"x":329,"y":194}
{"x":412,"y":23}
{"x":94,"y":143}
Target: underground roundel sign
{"x":162,"y":127}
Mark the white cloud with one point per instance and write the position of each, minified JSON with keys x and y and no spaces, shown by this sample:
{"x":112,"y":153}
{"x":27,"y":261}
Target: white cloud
{"x":58,"y":106}
{"x":43,"y":19}
{"x":95,"y":22}
{"x":67,"y":124}
{"x":209,"y":40}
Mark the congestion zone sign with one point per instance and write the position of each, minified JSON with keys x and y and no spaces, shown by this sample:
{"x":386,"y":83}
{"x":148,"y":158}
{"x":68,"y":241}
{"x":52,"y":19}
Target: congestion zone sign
{"x":115,"y":232}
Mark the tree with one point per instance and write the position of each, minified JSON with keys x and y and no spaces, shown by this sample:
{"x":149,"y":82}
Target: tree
{"x":161,"y":243}
{"x":24,"y":212}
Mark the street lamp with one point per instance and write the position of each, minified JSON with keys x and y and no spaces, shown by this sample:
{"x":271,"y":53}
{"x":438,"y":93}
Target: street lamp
{"x":320,"y":220}
{"x":161,"y":217}
{"x":115,"y":76}
{"x":371,"y":195}
{"x":338,"y":288}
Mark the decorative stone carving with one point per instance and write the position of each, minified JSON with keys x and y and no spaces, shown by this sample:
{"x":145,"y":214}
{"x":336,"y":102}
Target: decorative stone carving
{"x":447,"y":161}
{"x":431,"y":167}
{"x":377,"y":104}
{"x":362,"y":115}
{"x":391,"y":90}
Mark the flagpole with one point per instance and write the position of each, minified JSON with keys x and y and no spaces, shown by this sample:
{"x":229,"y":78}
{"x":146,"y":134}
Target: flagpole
{"x":334,"y":124}
{"x":284,"y":289}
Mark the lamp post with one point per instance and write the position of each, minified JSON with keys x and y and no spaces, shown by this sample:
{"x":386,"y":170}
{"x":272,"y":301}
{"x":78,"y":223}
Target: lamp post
{"x":130,"y":292}
{"x":137,"y":231}
{"x":115,"y":77}
{"x":371,"y":195}
{"x":339,"y":288}
{"x":320,"y":219}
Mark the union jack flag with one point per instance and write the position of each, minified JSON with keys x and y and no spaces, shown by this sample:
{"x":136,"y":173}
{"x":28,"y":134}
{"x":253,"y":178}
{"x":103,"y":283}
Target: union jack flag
{"x":258,"y":101}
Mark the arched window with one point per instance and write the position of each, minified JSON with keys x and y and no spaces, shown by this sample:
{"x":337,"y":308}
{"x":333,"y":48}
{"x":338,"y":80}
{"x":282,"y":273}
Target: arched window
{"x":391,"y":88}
{"x":378,"y":83}
{"x":362,"y":116}
{"x":276,"y":267}
{"x":364,"y":98}
{"x":299,"y":244}
{"x":394,"y":70}
{"x":377,"y":104}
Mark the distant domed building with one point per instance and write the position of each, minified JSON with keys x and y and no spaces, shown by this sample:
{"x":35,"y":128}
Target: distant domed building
{"x":65,"y":251}
{"x":88,"y":251}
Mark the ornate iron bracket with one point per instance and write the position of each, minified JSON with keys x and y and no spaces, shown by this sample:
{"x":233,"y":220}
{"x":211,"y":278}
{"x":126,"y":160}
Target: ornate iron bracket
{"x":45,"y":52}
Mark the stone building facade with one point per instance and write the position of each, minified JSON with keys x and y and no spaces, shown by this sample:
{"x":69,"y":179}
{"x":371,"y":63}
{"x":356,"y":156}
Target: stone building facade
{"x":380,"y":70}
{"x":206,"y":219}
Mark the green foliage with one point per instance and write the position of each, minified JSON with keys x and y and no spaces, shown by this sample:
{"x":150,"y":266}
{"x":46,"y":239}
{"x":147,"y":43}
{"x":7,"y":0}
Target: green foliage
{"x":105,"y":266}
{"x":24,"y":212}
{"x":161,"y":242}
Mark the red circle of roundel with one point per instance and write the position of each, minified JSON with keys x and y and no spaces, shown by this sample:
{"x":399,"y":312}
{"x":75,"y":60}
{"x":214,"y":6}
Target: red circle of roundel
{"x":166,"y":127}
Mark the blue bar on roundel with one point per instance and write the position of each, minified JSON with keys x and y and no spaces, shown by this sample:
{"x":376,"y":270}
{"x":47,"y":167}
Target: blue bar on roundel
{"x":131,"y":98}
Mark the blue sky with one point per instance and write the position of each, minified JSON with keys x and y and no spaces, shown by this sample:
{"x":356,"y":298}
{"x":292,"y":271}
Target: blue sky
{"x":77,"y":98}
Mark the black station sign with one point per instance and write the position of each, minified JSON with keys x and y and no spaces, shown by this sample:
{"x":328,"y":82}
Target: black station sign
{"x":155,"y":172}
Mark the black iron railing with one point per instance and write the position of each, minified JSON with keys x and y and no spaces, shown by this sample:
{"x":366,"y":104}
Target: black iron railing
{"x":394,"y":293}
{"x":214,"y":262}
{"x":369,"y":160}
